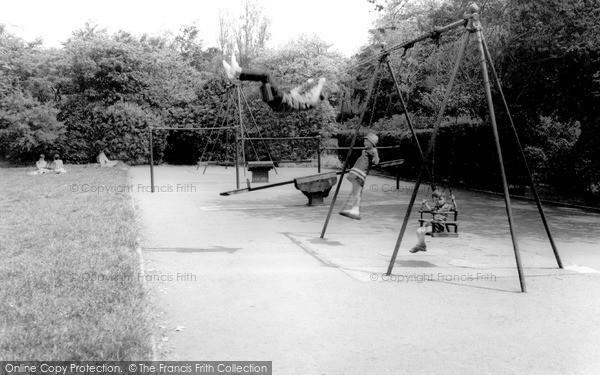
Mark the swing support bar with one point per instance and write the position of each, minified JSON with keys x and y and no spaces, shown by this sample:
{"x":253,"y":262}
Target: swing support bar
{"x":520,"y":146}
{"x":384,"y":58}
{"x":472,"y":26}
{"x":463,"y":45}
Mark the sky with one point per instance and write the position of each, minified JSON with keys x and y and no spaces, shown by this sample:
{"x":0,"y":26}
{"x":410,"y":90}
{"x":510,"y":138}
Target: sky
{"x":343,"y":23}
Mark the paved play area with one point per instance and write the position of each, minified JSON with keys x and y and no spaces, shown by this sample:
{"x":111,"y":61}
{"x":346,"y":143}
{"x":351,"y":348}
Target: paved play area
{"x":246,"y":277}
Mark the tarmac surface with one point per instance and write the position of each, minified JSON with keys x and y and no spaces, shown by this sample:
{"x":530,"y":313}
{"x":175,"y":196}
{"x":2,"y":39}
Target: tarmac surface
{"x":247,"y":277}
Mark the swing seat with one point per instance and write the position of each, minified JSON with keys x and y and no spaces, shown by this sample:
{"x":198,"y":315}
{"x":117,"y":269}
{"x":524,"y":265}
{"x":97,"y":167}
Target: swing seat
{"x":260,"y":170}
{"x":450,"y":226}
{"x":391,"y":163}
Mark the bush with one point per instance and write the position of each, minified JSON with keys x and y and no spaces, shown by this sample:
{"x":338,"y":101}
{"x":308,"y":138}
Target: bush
{"x":121,"y":129}
{"x":27,"y":127}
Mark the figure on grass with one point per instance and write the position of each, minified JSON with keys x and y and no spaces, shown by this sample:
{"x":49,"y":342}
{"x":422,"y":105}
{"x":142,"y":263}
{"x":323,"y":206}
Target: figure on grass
{"x":440,"y":212}
{"x":43,"y":167}
{"x":358,"y":174}
{"x":57,"y":165}
{"x":104,"y":162}
{"x":305,"y":96}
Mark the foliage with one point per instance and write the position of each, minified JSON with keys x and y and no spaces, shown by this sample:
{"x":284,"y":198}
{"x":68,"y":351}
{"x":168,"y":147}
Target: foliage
{"x":551,"y":63}
{"x":121,"y":129}
{"x":27,"y":127}
{"x":247,"y":31}
{"x":547,"y":56}
{"x":28,"y":124}
{"x":550,"y":155}
{"x":120,"y":86}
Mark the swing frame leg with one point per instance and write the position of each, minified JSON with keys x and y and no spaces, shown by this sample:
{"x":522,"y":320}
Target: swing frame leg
{"x":438,"y":122}
{"x":488,"y":95}
{"x":356,"y":130}
{"x":520,"y":147}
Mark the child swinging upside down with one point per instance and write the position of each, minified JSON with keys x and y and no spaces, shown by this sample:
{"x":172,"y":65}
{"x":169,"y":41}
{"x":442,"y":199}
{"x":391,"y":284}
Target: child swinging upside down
{"x":305,"y":96}
{"x":440,"y":214}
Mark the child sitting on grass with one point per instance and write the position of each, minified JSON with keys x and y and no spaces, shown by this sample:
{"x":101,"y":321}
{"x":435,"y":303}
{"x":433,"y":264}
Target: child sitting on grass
{"x":57,"y":165}
{"x":41,"y":166}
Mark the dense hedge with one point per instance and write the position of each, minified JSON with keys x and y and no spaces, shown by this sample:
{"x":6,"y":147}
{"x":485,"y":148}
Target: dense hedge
{"x":464,"y":154}
{"x":121,"y":130}
{"x":258,"y":119}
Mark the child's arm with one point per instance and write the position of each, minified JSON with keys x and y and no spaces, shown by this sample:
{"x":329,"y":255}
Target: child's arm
{"x":375,"y":155}
{"x":454,"y":206}
{"x":424,"y":203}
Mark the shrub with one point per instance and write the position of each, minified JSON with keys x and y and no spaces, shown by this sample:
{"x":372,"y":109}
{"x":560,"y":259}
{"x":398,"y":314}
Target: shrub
{"x":27,"y":127}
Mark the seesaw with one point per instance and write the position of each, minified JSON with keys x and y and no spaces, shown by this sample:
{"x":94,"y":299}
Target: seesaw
{"x":314,"y":187}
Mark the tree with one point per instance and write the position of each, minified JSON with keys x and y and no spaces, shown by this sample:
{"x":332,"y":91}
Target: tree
{"x":551,"y":64}
{"x":248,"y":31}
{"x":121,"y":85}
{"x":189,"y":45}
{"x":28,"y":123}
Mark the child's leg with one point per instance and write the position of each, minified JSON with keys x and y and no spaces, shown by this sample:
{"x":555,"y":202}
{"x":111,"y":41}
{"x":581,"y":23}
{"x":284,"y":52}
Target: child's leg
{"x":309,"y":93}
{"x":316,"y":92}
{"x":264,"y":78}
{"x":421,"y":232}
{"x":356,"y":189}
{"x":352,"y":206}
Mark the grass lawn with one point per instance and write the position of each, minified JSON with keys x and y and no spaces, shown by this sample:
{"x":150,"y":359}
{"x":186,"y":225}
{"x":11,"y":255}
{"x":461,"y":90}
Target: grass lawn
{"x":69,"y":284}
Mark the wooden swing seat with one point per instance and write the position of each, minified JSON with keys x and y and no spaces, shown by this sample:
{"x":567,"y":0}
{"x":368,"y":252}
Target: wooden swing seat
{"x":451,"y":226}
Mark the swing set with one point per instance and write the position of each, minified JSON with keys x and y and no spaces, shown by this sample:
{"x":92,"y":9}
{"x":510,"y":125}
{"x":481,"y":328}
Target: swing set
{"x":472,"y":26}
{"x":233,"y":107}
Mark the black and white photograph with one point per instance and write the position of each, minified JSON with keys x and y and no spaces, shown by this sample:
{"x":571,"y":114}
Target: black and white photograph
{"x":333,"y":187}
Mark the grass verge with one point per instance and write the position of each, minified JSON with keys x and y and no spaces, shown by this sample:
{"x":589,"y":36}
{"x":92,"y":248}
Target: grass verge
{"x":69,"y":281}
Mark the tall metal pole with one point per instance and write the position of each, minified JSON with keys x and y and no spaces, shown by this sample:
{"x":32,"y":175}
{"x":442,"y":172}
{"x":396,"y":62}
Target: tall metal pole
{"x":356,"y":130}
{"x":318,"y":141}
{"x":243,"y":143}
{"x":488,"y":95}
{"x":529,"y":175}
{"x":237,"y":151}
{"x":151,"y":162}
{"x":430,"y":147}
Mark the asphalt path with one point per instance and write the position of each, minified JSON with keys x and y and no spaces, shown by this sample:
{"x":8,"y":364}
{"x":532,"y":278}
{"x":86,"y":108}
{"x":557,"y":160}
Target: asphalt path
{"x":247,"y":277}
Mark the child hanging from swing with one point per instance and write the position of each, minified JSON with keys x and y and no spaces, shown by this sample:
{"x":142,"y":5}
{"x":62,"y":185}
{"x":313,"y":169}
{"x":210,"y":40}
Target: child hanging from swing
{"x":440,"y":212}
{"x":358,"y":174}
{"x":305,"y":96}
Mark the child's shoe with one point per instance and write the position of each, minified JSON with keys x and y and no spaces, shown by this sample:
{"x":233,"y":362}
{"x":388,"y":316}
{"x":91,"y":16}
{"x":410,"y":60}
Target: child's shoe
{"x":350,"y":215}
{"x":228,"y":70}
{"x":235,"y":67}
{"x":418,"y":247}
{"x":316,"y":91}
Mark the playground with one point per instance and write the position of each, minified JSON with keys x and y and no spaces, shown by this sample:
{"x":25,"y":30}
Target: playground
{"x":248,"y":276}
{"x":200,"y":213}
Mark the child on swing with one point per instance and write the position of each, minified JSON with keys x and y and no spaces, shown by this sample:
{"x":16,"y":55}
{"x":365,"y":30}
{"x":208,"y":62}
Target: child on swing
{"x":358,"y":174}
{"x":305,"y":96}
{"x":440,"y":213}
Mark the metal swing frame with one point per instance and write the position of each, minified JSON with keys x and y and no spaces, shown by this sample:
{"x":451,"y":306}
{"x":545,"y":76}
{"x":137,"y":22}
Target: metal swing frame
{"x":472,"y":25}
